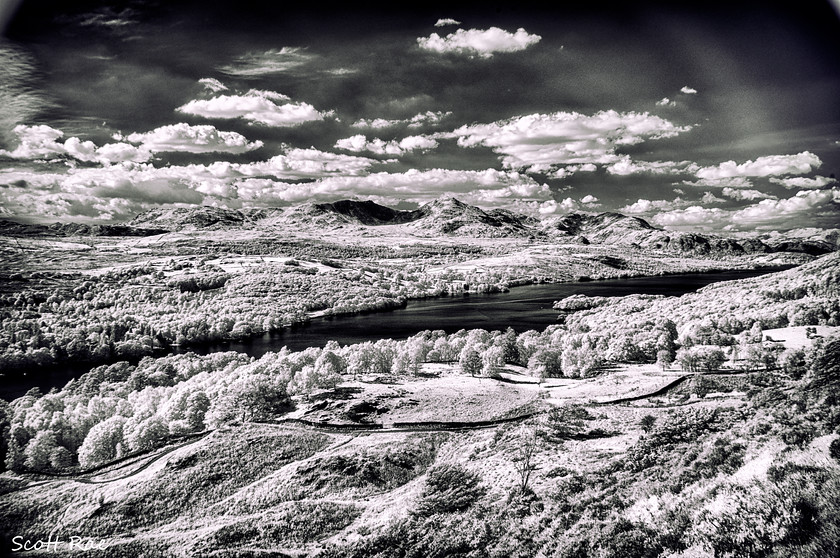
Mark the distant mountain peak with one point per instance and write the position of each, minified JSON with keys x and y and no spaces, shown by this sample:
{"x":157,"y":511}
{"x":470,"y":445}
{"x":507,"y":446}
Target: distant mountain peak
{"x":449,"y":216}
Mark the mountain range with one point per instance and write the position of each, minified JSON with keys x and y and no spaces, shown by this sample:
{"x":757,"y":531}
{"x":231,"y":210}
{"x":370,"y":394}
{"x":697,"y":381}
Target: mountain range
{"x":451,"y":217}
{"x":446,"y":217}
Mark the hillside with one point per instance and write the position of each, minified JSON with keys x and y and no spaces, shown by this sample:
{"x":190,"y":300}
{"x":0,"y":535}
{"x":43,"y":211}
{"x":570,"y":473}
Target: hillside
{"x":634,"y":462}
{"x":449,"y":217}
{"x":12,"y":228}
{"x":190,"y":218}
{"x":805,"y":295}
{"x":444,"y":217}
{"x":592,"y":437}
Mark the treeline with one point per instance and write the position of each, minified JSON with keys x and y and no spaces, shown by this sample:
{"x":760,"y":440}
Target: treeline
{"x":729,"y":314}
{"x":317,"y":250}
{"x":116,"y":409}
{"x":130,"y":312}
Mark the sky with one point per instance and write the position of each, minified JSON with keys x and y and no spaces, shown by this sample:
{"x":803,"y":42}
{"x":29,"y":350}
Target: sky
{"x":708,"y":116}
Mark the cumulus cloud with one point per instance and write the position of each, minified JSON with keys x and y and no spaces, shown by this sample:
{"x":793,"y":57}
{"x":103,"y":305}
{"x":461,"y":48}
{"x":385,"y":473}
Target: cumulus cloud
{"x":811,"y":207}
{"x":443,"y":22}
{"x":568,"y":205}
{"x":84,"y":192}
{"x":42,"y":142}
{"x":294,"y":163}
{"x":273,"y":61}
{"x":688,"y":90}
{"x":538,"y":142}
{"x":748,"y":194}
{"x":723,"y":182}
{"x":563,"y":172}
{"x":488,"y":188}
{"x":666,"y":102}
{"x":626,"y":166}
{"x":803,"y":182}
{"x":422,"y":119}
{"x":434,"y":182}
{"x":359,"y":143}
{"x":213,"y":84}
{"x":192,"y":139}
{"x":644,"y":206}
{"x":262,"y":107}
{"x":694,"y":217}
{"x":479,"y":42}
{"x":709,"y":199}
{"x":772,"y":165}
{"x":806,"y":204}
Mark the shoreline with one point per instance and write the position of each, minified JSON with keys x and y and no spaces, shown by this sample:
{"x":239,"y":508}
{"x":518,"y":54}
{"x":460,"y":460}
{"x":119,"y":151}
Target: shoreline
{"x":77,"y":368}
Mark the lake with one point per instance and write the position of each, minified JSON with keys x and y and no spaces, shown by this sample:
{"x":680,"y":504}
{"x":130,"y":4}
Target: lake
{"x":523,"y":308}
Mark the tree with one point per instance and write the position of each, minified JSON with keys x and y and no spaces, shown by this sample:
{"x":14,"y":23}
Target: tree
{"x":566,"y":421}
{"x":39,"y":450}
{"x":147,"y":434}
{"x":510,"y":350}
{"x":407,"y":359}
{"x":492,"y":361}
{"x":623,"y":349}
{"x":759,"y":356}
{"x":249,"y":397}
{"x":825,"y":365}
{"x":834,"y":449}
{"x":664,"y":358}
{"x":18,"y":438}
{"x":61,"y":458}
{"x":321,"y":375}
{"x":445,"y":350}
{"x":793,"y":363}
{"x":367,"y":358}
{"x":699,"y":357}
{"x":103,"y":443}
{"x":195,"y":409}
{"x":546,"y":363}
{"x":668,"y":335}
{"x":524,"y":459}
{"x":470,"y":361}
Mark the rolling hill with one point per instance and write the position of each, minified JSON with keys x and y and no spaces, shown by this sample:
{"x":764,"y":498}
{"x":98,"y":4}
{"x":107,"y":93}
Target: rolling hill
{"x":449,"y":217}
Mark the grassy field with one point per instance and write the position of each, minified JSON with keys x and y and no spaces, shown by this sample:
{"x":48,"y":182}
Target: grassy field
{"x":797,"y":337}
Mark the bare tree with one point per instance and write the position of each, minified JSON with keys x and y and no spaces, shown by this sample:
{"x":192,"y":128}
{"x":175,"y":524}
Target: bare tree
{"x":524,"y":459}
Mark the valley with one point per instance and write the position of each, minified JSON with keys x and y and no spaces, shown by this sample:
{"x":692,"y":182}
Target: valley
{"x":640,"y":424}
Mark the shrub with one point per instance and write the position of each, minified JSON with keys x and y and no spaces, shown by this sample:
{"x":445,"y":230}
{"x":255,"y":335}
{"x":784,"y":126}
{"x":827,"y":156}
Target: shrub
{"x":449,"y":488}
{"x":624,"y":539}
{"x":567,"y":421}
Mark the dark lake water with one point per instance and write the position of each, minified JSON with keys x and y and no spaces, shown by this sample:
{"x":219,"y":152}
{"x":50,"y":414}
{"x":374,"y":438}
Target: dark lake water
{"x":523,"y":308}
